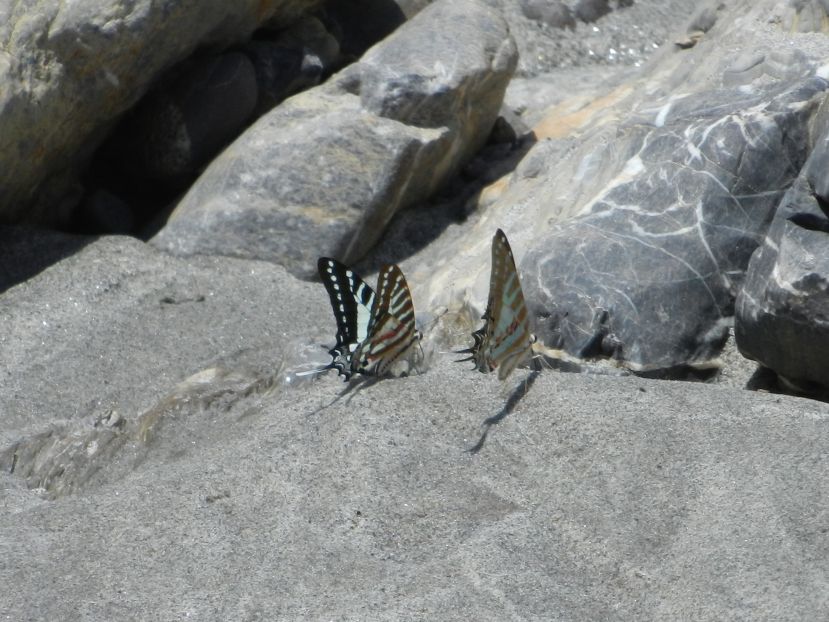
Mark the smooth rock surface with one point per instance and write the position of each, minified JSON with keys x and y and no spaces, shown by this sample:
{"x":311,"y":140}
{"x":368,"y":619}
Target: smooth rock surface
{"x":68,"y":70}
{"x":128,"y":323}
{"x":324,"y":173}
{"x":648,"y":273}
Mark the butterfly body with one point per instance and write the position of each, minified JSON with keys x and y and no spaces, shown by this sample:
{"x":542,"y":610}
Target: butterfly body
{"x":504,"y":341}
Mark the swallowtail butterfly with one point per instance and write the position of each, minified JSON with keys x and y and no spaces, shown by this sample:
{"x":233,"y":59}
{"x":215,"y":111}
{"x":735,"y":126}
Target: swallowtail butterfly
{"x":504,"y":341}
{"x":373,"y":330}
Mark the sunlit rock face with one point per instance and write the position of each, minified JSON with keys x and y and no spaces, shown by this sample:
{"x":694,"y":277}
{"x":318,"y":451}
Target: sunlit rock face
{"x":636,"y":210}
{"x":648,"y":272}
{"x":69,"y":70}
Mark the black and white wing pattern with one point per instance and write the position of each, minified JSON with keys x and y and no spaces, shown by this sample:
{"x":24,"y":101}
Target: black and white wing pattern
{"x":373,"y":330}
{"x":504,"y":341}
{"x":391,"y":331}
{"x":352,"y":301}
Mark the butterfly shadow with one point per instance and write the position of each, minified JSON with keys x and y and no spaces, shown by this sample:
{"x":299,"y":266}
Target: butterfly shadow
{"x":356,"y":385}
{"x":514,"y":398}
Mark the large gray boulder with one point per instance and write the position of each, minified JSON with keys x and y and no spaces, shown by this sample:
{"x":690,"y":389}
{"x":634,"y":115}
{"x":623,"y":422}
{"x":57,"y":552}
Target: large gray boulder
{"x":782,"y":318}
{"x":324,"y":173}
{"x":635,"y":213}
{"x":649,"y":272}
{"x":69,"y":70}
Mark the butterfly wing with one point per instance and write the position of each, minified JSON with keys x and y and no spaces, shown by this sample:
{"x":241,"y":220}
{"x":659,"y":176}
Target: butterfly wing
{"x":392,"y":330}
{"x":352,"y":301}
{"x":504,"y":341}
{"x":509,"y":342}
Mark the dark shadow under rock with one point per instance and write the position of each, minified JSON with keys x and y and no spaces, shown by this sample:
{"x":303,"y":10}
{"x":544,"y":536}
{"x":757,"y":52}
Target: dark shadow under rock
{"x":25,"y":252}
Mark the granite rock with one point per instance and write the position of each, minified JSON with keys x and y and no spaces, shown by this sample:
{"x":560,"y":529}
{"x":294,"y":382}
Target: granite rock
{"x":323,"y":173}
{"x":70,"y":70}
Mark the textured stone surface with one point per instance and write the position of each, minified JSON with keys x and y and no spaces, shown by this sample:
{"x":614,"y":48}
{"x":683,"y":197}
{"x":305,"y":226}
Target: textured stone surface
{"x":597,"y":498}
{"x":69,"y":70}
{"x":649,"y":272}
{"x":323,"y":173}
{"x":635,"y":213}
{"x":294,"y":60}
{"x":552,"y":34}
{"x":128,"y":323}
{"x":159,"y":460}
{"x":782,"y":316}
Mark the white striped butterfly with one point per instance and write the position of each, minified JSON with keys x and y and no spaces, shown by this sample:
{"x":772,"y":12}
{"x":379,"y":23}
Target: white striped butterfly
{"x":373,"y":330}
{"x":504,"y":341}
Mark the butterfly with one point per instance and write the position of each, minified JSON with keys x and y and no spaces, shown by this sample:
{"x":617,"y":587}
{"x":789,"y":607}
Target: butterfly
{"x":374,"y":330}
{"x":504,"y":341}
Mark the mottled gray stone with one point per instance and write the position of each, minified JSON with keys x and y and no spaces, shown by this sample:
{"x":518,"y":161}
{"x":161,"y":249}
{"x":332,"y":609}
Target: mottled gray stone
{"x":598,"y":498}
{"x":323,"y":173}
{"x":591,"y":10}
{"x":782,"y":318}
{"x":291,"y":60}
{"x":69,"y":70}
{"x":648,"y":274}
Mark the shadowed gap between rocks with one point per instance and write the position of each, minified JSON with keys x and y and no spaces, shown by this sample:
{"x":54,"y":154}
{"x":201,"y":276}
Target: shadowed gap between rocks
{"x":157,"y":149}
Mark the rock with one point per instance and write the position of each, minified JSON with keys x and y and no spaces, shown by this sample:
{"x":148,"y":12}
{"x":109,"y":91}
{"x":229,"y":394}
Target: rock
{"x":705,"y":17}
{"x":323,"y":173}
{"x":591,"y":10}
{"x":807,"y":15}
{"x":292,"y":60}
{"x":782,"y":318}
{"x":160,"y":458}
{"x":591,"y":508}
{"x":69,"y":70}
{"x":635,"y":213}
{"x":128,"y":322}
{"x":279,"y":73}
{"x":411,"y":8}
{"x":653,"y":270}
{"x":185,"y":121}
{"x":310,"y":35}
{"x":555,"y":14}
{"x":363,"y":23}
{"x":550,"y":37}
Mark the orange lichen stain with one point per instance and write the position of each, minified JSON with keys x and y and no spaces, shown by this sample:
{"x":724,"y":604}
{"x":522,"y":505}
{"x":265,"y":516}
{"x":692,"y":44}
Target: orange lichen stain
{"x":560,"y":122}
{"x":492,"y":192}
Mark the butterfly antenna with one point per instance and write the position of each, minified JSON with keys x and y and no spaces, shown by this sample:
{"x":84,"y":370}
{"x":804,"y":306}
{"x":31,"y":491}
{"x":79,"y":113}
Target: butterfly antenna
{"x":312,"y":372}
